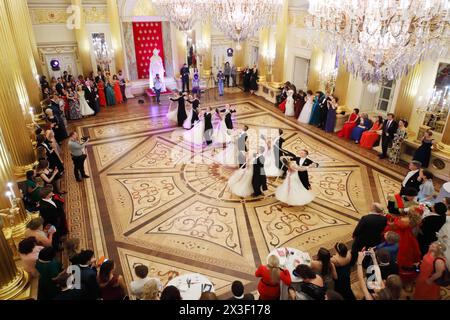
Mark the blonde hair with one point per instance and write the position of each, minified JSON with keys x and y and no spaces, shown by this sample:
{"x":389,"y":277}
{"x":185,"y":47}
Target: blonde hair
{"x":274,"y":264}
{"x":151,"y":290}
{"x":441,"y":248}
{"x":414,"y":217}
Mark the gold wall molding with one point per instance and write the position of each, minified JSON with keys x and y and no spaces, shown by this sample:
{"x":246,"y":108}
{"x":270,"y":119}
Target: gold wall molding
{"x":143,"y":8}
{"x":296,"y":18}
{"x":41,"y":15}
{"x":96,"y":14}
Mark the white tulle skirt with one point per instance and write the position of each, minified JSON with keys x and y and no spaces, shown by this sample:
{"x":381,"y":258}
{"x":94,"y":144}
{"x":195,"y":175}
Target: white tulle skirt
{"x":292,"y":191}
{"x":270,"y":165}
{"x":196,"y":135}
{"x":228,"y":156}
{"x":240,"y":182}
{"x":221,"y":134}
{"x":305,"y":115}
{"x":187,"y":124}
{"x":84,"y":107}
{"x":290,"y":111}
{"x":172,"y":115}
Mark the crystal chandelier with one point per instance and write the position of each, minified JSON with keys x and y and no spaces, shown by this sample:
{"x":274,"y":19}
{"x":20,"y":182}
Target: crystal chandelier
{"x":241,"y":19}
{"x":182,"y":13}
{"x":381,"y":40}
{"x":103,"y":55}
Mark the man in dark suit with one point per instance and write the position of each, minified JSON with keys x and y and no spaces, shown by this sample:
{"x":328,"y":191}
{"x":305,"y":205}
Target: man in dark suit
{"x":431,"y":224}
{"x":390,"y":127}
{"x":184,"y":73}
{"x":368,"y":231}
{"x":60,"y":86}
{"x":303,"y":161}
{"x":259,"y":180}
{"x":67,"y":292}
{"x":228,"y":120}
{"x":58,"y":113}
{"x":323,"y":110}
{"x":237,"y":288}
{"x":88,"y":275}
{"x":53,"y":214}
{"x":280,"y":152}
{"x":91,"y":96}
{"x":412,"y":177}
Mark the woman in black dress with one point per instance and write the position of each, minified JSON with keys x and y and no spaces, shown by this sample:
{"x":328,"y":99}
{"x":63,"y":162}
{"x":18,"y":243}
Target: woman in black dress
{"x":208,"y":126}
{"x":341,"y":261}
{"x":254,"y":80}
{"x":182,"y":116}
{"x":247,"y":77}
{"x":423,"y":153}
{"x":195,"y":105}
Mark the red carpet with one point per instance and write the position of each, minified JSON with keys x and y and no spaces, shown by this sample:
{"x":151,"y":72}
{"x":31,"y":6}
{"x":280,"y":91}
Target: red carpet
{"x":151,"y":93}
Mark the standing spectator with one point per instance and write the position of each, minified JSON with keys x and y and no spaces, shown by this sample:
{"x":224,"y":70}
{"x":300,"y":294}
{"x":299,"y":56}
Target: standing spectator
{"x":48,"y":268}
{"x":412,"y":178}
{"x":35,"y":229}
{"x":254,"y":77}
{"x":423,"y":153}
{"x":77,"y":150}
{"x":54,"y":216}
{"x":342,"y":262}
{"x":237,"y":288}
{"x":71,"y":250}
{"x":389,"y":129}
{"x":220,"y":82}
{"x":332,"y":105}
{"x":29,"y":254}
{"x":390,"y":244}
{"x":171,"y":293}
{"x":122,"y":84}
{"x":152,"y":290}
{"x":88,"y":273}
{"x":234,"y":75}
{"x":323,"y":266}
{"x":431,"y":269}
{"x":396,"y":145}
{"x":196,"y":84}
{"x":227,"y":73}
{"x":184,"y":73}
{"x":431,"y":223}
{"x":157,"y":87}
{"x":67,"y":293}
{"x":137,"y":286}
{"x":33,"y":190}
{"x":271,"y":275}
{"x":368,"y":231}
{"x":426,"y":189}
{"x":117,"y":90}
{"x":112,"y":286}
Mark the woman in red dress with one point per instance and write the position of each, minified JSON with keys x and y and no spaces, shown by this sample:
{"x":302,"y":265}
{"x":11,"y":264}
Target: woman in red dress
{"x":101,"y":94}
{"x":112,"y":286}
{"x":117,"y":92}
{"x":431,"y":268}
{"x":351,"y":123}
{"x":66,"y":104}
{"x":271,"y":275}
{"x":408,"y":246}
{"x":371,"y":136}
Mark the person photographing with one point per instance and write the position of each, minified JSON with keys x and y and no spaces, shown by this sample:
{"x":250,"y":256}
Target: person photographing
{"x":77,"y":150}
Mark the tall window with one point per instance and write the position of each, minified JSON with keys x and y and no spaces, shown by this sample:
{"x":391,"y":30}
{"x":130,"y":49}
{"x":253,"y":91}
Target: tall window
{"x":386,"y":96}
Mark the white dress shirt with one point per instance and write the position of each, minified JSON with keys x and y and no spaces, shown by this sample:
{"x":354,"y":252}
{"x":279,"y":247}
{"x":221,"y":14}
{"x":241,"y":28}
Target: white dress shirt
{"x":301,"y":161}
{"x":408,"y":176}
{"x":50,"y":201}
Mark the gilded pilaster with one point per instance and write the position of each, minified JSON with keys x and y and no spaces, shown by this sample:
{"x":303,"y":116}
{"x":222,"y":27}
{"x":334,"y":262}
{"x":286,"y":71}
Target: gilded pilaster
{"x":24,"y":51}
{"x":83,"y":40}
{"x":13,"y":101}
{"x":342,"y":80}
{"x":207,"y":54}
{"x":409,"y":87}
{"x":264,"y":54}
{"x":282,"y":25}
{"x":114,"y":23}
{"x":314,"y":69}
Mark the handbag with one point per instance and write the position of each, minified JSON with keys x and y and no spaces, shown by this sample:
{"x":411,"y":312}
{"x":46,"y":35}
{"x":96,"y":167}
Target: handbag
{"x":444,"y":279}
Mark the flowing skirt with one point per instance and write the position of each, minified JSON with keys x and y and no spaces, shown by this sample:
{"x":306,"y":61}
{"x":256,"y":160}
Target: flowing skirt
{"x":101,"y":97}
{"x":305,"y":115}
{"x":290,"y":112}
{"x":172,"y":115}
{"x":187,"y":124}
{"x":74,"y":111}
{"x":118,"y":93}
{"x":110,"y":97}
{"x":270,"y":165}
{"x":331,"y":120}
{"x":357,"y":133}
{"x":221,"y":134}
{"x":196,"y":134}
{"x":228,"y":156}
{"x":84,"y":108}
{"x":240,"y":182}
{"x":292,"y":191}
{"x":368,"y":139}
{"x":346,"y":131}
{"x":315,"y":115}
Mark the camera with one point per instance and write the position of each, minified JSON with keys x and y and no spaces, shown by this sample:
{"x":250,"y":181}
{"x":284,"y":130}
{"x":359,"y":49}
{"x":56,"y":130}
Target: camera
{"x":84,"y":139}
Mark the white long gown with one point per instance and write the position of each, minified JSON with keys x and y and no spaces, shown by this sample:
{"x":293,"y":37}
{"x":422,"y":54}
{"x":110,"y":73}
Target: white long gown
{"x":84,"y":106}
{"x":270,"y":164}
{"x":221,"y":134}
{"x":187,"y":124}
{"x":292,"y":191}
{"x":305,"y":115}
{"x":444,"y":236}
{"x":290,"y":111}
{"x":229,"y":155}
{"x":240,"y":182}
{"x":172,"y":114}
{"x":196,"y":135}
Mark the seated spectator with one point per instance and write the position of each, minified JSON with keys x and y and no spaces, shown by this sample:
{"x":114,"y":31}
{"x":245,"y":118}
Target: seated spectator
{"x":151,"y":290}
{"x":137,"y":286}
{"x":237,"y":288}
{"x":390,"y":244}
{"x":271,"y":275}
{"x":363,"y":125}
{"x":29,"y":254}
{"x":35,"y":229}
{"x":86,"y":261}
{"x":323,"y":266}
{"x":67,"y":292}
{"x":311,"y":287}
{"x":368,"y":231}
{"x":431,"y":223}
{"x":372,"y":137}
{"x":171,"y":293}
{"x":208,"y":296}
{"x":342,"y":262}
{"x":112,"y":286}
{"x":33,"y":190}
{"x":351,"y":123}
{"x":48,"y":268}
{"x":426,"y":189}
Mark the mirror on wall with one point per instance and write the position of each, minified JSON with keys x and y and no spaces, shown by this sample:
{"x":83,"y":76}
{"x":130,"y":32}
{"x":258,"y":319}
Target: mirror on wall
{"x":439,"y":103}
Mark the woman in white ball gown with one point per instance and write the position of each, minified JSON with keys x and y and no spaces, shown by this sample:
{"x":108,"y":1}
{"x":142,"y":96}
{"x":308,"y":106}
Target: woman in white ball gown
{"x":84,"y":106}
{"x":444,"y":237}
{"x":292,"y":191}
{"x":240,"y":182}
{"x":197,"y":134}
{"x":229,"y":155}
{"x":290,"y":111}
{"x":172,"y":114}
{"x":270,"y":163}
{"x":305,"y":115}
{"x":187,"y":124}
{"x":221,"y":134}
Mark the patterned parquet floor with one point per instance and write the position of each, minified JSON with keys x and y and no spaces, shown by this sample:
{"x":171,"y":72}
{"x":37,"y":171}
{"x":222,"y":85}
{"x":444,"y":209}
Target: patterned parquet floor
{"x":155,"y":200}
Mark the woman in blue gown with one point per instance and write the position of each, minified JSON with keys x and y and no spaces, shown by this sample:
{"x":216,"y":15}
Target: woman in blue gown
{"x":110,"y":96}
{"x":364,"y":125}
{"x":315,"y":113}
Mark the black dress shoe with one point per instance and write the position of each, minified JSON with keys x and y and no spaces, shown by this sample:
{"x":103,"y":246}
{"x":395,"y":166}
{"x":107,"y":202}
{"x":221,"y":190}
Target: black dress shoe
{"x":79,"y":180}
{"x":85,"y":177}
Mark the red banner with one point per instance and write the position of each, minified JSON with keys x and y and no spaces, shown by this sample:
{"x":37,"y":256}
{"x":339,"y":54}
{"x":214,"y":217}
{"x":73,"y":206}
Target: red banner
{"x":147,"y":37}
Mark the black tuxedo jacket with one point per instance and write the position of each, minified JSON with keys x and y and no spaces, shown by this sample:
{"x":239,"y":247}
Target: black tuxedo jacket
{"x":59,"y":88}
{"x":368,"y":231}
{"x":259,"y":175}
{"x":242,"y":145}
{"x":412,"y":182}
{"x":208,"y":121}
{"x":54,"y":216}
{"x":303,"y":175}
{"x":185,"y":73}
{"x":91,"y":97}
{"x":391,"y":130}
{"x":228,"y":119}
{"x":428,"y":228}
